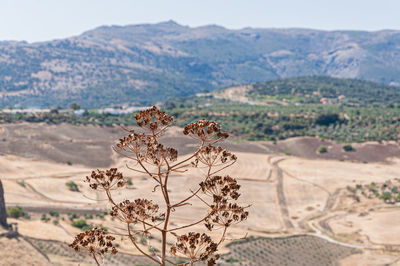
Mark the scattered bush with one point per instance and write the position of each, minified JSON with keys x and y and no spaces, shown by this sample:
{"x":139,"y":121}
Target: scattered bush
{"x":44,"y":218}
{"x":15,"y":212}
{"x":72,"y":186}
{"x":88,"y":216}
{"x":81,"y":224}
{"x":386,"y":196}
{"x":54,"y":213}
{"x":72,"y":216}
{"x":322,"y":149}
{"x":348,"y":148}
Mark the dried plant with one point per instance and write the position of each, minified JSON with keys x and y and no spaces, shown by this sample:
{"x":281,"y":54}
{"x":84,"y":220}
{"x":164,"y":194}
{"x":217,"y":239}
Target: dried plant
{"x":145,"y":218}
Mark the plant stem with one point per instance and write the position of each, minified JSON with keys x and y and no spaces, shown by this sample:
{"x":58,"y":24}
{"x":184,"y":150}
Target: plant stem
{"x":97,"y":262}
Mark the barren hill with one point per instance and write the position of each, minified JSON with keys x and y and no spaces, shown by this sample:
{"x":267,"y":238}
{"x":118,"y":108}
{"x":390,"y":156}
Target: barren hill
{"x":145,"y":63}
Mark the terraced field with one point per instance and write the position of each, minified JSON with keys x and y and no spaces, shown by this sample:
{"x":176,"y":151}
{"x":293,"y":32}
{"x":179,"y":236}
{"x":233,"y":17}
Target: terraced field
{"x":302,"y":200}
{"x":296,"y":250}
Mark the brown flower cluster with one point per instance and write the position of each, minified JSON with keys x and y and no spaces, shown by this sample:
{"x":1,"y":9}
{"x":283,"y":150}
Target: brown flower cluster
{"x":143,"y":217}
{"x":225,"y":213}
{"x":153,"y":119}
{"x":106,"y":179}
{"x":207,"y":131}
{"x":146,"y":148}
{"x":95,"y":241}
{"x":195,"y":246}
{"x":138,"y":211}
{"x":213,"y":156}
{"x":221,"y":187}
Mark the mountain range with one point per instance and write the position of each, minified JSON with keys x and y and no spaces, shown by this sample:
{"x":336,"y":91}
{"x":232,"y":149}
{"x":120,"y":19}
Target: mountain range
{"x":143,"y":64}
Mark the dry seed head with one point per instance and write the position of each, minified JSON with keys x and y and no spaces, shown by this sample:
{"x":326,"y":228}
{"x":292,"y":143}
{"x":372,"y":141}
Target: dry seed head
{"x":138,"y":211}
{"x":94,"y":241}
{"x":221,"y":188}
{"x":225,"y":213}
{"x":146,"y":149}
{"x":205,"y":130}
{"x":213,"y":156}
{"x":153,"y":119}
{"x":105,"y":179}
{"x":194,"y":246}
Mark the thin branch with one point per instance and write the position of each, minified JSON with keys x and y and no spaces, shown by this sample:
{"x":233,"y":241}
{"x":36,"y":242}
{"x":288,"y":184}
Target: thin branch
{"x":189,"y":225}
{"x":138,"y":248}
{"x":119,"y":208}
{"x":97,"y":262}
{"x":187,"y":159}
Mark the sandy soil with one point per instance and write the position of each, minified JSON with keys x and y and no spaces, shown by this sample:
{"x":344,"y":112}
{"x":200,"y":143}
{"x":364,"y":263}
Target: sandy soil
{"x":16,"y":252}
{"x":284,"y":191}
{"x":376,"y":225}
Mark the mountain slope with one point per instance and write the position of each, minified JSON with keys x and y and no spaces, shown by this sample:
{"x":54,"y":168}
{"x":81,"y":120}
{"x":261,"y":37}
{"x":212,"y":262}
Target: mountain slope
{"x":312,"y":89}
{"x":146,"y":63}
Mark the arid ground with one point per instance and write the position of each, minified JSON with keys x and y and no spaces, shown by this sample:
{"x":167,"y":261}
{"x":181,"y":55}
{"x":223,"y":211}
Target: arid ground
{"x":293,"y":191}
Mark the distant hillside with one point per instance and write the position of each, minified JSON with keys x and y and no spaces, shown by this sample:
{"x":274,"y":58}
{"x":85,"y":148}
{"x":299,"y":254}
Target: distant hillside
{"x":313,"y":89}
{"x":146,"y":63}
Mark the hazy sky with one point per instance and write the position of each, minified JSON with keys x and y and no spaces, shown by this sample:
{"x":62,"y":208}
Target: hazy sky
{"x":39,"y":20}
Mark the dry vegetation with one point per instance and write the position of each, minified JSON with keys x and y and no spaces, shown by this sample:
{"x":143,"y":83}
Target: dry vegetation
{"x":144,"y":218}
{"x":287,"y":193}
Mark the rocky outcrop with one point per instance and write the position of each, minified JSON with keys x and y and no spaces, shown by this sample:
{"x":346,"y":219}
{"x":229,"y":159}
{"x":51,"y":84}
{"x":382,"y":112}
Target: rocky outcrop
{"x":3,"y":214}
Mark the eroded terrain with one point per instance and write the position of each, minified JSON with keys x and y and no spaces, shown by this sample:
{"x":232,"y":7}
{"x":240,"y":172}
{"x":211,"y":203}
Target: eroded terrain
{"x":306,"y":195}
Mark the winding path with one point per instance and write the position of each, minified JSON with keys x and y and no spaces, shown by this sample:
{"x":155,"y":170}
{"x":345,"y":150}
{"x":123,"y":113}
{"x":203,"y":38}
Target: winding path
{"x":281,"y":195}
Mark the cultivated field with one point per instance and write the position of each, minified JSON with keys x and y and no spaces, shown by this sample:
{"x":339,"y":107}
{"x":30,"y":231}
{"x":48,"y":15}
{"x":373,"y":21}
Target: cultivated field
{"x":303,"y":196}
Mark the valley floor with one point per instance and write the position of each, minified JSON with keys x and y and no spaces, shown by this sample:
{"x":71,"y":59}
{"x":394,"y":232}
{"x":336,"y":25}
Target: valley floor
{"x":289,"y":195}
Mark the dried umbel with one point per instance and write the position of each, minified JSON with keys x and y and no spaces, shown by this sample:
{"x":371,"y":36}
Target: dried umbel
{"x":153,"y":119}
{"x":204,"y":130}
{"x":94,"y":241}
{"x":225,"y":213}
{"x":146,"y":149}
{"x":142,"y":217}
{"x":138,"y":211}
{"x":215,"y":156}
{"x":106,"y":179}
{"x":195,"y":246}
{"x":221,"y":188}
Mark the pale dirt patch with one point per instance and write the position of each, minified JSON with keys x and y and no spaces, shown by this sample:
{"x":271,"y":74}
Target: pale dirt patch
{"x":333,"y":174}
{"x":378,"y":226}
{"x":16,"y":252}
{"x":42,"y":230}
{"x":55,"y":189}
{"x":369,"y":258}
{"x":303,"y":199}
{"x":16,"y":167}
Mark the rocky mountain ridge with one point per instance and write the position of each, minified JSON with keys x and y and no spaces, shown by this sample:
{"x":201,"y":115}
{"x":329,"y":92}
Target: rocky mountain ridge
{"x":142,"y":64}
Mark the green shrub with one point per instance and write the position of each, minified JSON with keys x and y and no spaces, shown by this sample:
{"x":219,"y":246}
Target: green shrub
{"x":54,"y":213}
{"x":15,"y":212}
{"x":44,"y":218}
{"x":322,"y":149}
{"x":348,"y":147}
{"x":80,"y":223}
{"x":88,"y":216}
{"x":386,"y":196}
{"x":72,"y":216}
{"x":72,"y":186}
